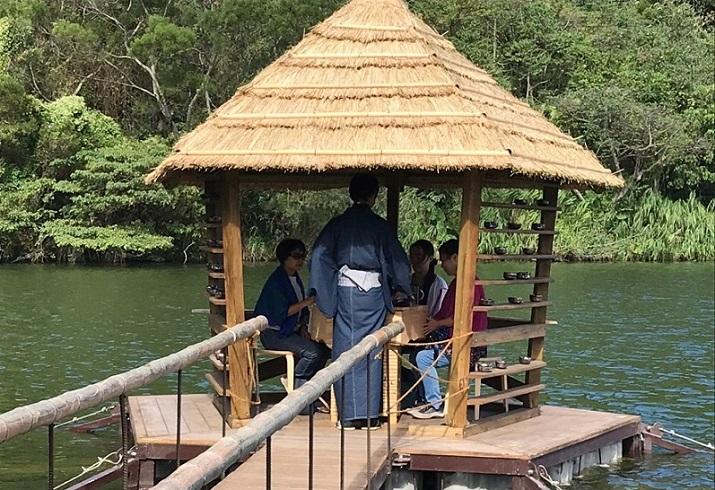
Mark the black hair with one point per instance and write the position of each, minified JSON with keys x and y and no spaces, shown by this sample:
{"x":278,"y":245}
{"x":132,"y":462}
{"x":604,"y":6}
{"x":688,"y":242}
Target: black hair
{"x":428,"y":249}
{"x":425,"y":245}
{"x":363,"y":187}
{"x":287,"y":247}
{"x":450,"y":247}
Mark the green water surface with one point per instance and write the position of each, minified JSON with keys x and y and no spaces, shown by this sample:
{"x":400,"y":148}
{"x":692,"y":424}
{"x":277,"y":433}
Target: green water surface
{"x":632,"y":338}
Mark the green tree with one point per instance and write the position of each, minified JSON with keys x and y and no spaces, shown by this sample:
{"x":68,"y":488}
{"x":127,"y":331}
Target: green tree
{"x":110,"y":214}
{"x":19,"y":124}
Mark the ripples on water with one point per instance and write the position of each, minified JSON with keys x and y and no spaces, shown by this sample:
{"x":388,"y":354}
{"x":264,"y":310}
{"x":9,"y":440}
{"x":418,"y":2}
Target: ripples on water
{"x":632,"y":338}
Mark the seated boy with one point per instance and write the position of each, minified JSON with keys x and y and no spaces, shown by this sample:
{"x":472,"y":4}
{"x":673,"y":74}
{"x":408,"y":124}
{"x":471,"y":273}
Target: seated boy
{"x":439,"y":328}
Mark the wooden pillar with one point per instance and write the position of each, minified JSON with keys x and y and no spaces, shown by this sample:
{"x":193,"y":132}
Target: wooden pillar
{"x":394,"y":187}
{"x":393,"y":202}
{"x":543,"y":269}
{"x":464,"y":302}
{"x":240,"y":355}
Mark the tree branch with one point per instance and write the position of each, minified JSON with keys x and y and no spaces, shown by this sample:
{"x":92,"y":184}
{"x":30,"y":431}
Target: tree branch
{"x":130,"y":83}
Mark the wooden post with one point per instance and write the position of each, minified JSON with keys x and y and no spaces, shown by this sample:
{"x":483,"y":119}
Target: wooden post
{"x":464,"y":302}
{"x":393,"y":202}
{"x":543,"y":269}
{"x":394,"y":187}
{"x":240,"y":355}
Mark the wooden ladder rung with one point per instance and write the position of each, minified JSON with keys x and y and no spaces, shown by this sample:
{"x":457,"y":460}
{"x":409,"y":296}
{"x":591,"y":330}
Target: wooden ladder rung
{"x":216,"y":301}
{"x":504,"y":395}
{"x":217,"y":363}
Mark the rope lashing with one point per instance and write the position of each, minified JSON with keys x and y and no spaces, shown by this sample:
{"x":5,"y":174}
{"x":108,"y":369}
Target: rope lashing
{"x":444,"y":351}
{"x":101,"y":460}
{"x":544,"y":475}
{"x":104,"y":409}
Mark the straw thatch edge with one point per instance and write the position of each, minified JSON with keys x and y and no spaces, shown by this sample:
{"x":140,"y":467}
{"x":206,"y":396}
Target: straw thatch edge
{"x":515,"y":165}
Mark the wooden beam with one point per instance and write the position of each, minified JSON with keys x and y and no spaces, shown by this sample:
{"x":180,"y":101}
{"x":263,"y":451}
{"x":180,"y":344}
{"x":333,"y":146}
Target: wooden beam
{"x":586,"y":445}
{"x":543,"y":269}
{"x":240,"y":355}
{"x":469,"y":464}
{"x":464,"y":301}
{"x":509,"y":334}
{"x":501,"y":420}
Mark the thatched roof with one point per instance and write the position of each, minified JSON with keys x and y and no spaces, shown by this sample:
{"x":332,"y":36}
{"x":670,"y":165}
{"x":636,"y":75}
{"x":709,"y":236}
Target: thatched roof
{"x":374,"y":87}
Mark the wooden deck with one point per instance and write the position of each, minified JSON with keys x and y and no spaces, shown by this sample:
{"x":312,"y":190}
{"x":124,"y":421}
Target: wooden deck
{"x":153,"y":421}
{"x":289,"y":450}
{"x":555,"y":436}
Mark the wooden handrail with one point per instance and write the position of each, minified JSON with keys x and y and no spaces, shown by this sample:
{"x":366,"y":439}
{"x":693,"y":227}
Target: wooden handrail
{"x":209,"y":465}
{"x":23,"y":419}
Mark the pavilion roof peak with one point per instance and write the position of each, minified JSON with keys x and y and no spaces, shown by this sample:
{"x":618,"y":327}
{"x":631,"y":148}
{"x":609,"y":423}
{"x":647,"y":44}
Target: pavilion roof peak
{"x":374,"y":87}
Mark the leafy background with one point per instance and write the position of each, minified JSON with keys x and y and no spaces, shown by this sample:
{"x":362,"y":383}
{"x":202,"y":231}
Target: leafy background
{"x":94,"y":92}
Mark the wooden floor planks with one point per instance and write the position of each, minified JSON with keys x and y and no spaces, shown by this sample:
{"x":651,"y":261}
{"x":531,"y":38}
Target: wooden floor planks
{"x":554,"y":429}
{"x":290,"y":459}
{"x":153,"y":420}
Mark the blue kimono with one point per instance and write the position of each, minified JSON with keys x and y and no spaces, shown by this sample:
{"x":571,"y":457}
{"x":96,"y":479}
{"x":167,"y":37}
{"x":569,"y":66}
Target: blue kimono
{"x":276,"y":297}
{"x":362,"y":241}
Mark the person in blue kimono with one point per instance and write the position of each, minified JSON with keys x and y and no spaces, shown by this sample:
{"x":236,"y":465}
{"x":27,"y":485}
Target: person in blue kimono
{"x":357,"y":265}
{"x":284,"y":303}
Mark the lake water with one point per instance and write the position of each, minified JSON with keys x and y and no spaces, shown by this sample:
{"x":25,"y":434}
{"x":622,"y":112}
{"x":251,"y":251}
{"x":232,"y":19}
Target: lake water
{"x":632,"y":338}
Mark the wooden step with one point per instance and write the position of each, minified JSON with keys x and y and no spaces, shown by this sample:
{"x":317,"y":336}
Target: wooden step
{"x":515,"y":257}
{"x":511,"y":369}
{"x":508,"y":231}
{"x":509,"y":306}
{"x":512,"y":282}
{"x":211,"y":250}
{"x":504,"y":395}
{"x":508,"y":205}
{"x":217,"y":363}
{"x":216,"y":301}
{"x":215,"y":379}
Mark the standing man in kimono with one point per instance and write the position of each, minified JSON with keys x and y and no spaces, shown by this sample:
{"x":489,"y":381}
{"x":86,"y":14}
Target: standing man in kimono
{"x":357,"y":265}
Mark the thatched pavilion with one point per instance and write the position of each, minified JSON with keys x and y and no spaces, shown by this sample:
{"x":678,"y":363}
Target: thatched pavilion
{"x":373,"y":88}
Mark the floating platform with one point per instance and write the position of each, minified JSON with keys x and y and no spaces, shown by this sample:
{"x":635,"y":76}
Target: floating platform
{"x":563,"y":440}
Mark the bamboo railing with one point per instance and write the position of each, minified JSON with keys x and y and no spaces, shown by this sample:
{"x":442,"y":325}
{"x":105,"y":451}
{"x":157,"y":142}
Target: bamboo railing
{"x":209,"y":465}
{"x":47,"y":412}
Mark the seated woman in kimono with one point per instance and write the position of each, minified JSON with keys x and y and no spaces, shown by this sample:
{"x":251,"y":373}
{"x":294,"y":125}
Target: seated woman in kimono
{"x":440,"y":328}
{"x":429,"y":290}
{"x":284,"y":303}
{"x":430,"y":286}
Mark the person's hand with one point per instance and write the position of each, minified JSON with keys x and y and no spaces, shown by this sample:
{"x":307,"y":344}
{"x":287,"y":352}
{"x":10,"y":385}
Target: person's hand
{"x":431,"y":326}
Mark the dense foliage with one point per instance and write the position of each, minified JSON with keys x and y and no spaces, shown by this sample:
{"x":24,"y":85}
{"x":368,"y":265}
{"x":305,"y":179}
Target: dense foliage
{"x":92,"y":93}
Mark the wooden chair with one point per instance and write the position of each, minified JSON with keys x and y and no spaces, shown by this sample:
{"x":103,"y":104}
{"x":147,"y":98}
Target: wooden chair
{"x":288,"y":381}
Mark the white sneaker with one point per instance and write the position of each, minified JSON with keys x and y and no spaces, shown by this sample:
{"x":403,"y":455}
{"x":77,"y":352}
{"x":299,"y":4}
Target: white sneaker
{"x":429,"y":412}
